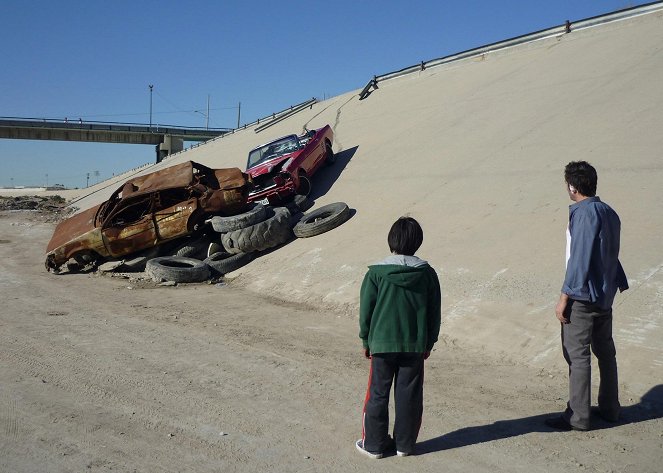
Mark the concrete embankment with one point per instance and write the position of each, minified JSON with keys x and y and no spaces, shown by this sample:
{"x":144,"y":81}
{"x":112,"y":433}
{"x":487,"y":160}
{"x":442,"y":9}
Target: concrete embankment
{"x":475,"y":151}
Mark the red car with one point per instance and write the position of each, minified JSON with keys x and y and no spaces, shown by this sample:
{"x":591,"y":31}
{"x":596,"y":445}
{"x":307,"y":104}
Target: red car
{"x":284,"y":167}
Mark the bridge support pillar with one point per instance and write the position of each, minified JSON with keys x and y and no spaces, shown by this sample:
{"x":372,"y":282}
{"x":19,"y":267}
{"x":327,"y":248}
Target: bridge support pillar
{"x":169,"y":146}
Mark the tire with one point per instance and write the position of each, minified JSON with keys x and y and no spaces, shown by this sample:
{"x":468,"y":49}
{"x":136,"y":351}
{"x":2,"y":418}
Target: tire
{"x":177,"y":269}
{"x":193,"y":247}
{"x":300,"y":203}
{"x":267,"y":234}
{"x":331,"y":157}
{"x":215,"y":247}
{"x":222,"y":263}
{"x":236,"y":222}
{"x":322,"y":220}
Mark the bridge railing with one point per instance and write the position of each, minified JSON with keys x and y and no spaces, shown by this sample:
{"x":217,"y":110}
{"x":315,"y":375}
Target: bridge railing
{"x":91,"y":125}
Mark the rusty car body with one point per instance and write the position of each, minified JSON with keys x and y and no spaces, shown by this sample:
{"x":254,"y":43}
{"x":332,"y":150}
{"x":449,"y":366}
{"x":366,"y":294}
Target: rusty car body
{"x":147,"y":211}
{"x":284,"y":167}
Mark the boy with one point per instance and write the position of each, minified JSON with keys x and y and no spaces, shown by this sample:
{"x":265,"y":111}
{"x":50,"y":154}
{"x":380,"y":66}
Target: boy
{"x":399,"y":322}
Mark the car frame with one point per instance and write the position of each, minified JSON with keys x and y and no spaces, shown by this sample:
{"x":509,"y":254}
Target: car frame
{"x":147,"y":211}
{"x":284,"y":167}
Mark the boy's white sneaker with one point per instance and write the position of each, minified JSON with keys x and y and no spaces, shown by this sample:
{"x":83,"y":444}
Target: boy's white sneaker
{"x":360,"y":446}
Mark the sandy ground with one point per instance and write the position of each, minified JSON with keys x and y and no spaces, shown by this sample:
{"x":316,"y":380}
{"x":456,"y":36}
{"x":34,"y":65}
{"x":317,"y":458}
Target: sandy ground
{"x":102,"y":373}
{"x":110,"y":374}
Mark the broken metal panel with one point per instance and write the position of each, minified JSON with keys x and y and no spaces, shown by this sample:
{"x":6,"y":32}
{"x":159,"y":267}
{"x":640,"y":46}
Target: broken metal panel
{"x":180,"y":175}
{"x":76,"y":225}
{"x":127,"y":238}
{"x":173,"y":222}
{"x":88,"y":242}
{"x":231,"y":178}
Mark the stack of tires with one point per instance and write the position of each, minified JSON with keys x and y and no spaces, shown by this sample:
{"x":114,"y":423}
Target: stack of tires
{"x":237,"y":239}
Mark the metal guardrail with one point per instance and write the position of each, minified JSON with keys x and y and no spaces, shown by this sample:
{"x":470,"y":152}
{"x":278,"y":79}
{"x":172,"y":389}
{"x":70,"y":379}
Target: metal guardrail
{"x":267,"y":121}
{"x":566,"y":28}
{"x":286,"y":113}
{"x":275,"y":117}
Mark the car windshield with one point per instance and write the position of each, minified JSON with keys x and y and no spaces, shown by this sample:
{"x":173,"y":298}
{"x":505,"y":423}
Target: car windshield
{"x":288,"y":144}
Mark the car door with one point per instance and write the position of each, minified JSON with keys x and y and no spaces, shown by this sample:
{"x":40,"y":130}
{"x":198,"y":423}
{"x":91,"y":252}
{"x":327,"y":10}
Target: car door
{"x":315,"y":154}
{"x":130,"y":227}
{"x":173,"y":222}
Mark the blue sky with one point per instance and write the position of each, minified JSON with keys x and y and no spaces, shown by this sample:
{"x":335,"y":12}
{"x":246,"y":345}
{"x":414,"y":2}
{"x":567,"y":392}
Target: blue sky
{"x":94,"y":60}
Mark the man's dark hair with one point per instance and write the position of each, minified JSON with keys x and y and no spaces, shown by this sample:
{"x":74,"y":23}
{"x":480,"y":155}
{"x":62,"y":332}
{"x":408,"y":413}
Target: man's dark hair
{"x":405,"y":236}
{"x":582,"y":176}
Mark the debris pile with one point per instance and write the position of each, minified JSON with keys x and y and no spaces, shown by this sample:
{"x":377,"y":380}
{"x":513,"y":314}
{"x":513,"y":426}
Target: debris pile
{"x":54,"y":207}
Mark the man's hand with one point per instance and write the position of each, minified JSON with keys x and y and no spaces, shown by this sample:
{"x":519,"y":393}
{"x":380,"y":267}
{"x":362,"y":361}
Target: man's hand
{"x":561,"y":307}
{"x":367,"y":353}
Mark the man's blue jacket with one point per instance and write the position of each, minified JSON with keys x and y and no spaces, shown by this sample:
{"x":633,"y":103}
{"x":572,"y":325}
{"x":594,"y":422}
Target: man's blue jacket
{"x":593,"y":271}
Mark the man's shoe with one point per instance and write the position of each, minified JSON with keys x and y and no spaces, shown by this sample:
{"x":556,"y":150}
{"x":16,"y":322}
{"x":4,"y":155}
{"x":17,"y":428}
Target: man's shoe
{"x":402,"y":454}
{"x":360,"y":446}
{"x":559,"y":423}
{"x":597,"y":411}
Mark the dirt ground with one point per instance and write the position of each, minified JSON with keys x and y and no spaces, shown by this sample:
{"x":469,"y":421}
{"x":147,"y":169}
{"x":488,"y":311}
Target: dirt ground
{"x":101,"y":373}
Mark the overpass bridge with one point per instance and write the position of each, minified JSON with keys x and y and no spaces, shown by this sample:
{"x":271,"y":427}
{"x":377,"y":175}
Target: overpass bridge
{"x":166,"y":138}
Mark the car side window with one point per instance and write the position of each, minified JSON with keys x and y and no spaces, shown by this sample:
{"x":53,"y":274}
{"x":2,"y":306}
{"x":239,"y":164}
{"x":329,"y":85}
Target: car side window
{"x":132,"y":211}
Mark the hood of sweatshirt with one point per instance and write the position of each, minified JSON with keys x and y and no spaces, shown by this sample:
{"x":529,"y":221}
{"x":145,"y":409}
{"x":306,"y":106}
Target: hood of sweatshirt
{"x":401,"y":270}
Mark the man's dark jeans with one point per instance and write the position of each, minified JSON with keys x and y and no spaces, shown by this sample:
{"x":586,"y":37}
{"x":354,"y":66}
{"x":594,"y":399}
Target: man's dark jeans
{"x":589,"y":327}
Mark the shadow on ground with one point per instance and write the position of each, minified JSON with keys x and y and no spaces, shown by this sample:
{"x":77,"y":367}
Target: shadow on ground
{"x":650,"y":407}
{"x":325,"y":178}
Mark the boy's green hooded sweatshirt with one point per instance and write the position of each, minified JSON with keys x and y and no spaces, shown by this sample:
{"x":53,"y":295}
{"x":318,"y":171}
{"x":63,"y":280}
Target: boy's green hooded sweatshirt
{"x":400,"y":306}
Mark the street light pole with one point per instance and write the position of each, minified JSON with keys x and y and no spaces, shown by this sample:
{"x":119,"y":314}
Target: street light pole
{"x":207,"y":116}
{"x":151,"y":87}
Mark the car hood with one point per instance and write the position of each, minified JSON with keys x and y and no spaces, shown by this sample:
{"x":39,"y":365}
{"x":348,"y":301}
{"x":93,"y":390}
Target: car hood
{"x":268,"y":166}
{"x":73,"y":227}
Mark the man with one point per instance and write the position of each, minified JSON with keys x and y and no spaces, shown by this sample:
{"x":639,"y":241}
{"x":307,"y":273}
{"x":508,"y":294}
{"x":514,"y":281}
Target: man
{"x":593,"y":275}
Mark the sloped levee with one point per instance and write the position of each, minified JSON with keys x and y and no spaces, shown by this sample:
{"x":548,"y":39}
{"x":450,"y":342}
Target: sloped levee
{"x":475,"y":150}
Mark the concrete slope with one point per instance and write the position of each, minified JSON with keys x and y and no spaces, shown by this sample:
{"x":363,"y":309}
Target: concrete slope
{"x":475,"y":151}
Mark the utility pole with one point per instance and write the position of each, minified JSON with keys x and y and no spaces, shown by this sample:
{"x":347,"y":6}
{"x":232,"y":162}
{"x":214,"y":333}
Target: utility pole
{"x":151,"y":87}
{"x":207,"y":116}
{"x":87,"y":182}
{"x":239,"y":112}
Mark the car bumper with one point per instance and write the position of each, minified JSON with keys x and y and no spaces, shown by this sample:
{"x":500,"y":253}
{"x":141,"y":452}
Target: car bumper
{"x":274,"y":195}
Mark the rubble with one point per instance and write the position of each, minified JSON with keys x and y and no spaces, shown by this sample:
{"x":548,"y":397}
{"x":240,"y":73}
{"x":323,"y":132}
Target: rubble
{"x":53,"y":207}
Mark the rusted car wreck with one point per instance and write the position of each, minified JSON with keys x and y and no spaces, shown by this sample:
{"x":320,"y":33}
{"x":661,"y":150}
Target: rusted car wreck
{"x":147,"y":211}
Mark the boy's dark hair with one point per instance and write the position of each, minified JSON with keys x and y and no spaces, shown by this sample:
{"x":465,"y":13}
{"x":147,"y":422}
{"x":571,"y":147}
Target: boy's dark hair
{"x":582,"y":176}
{"x":405,"y":236}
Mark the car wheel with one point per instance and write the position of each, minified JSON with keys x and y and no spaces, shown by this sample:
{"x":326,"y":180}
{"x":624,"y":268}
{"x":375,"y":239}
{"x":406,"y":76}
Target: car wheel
{"x":83,"y":260}
{"x":222,"y":263}
{"x":235,"y":222}
{"x":267,"y":234}
{"x":322,"y":220}
{"x":86,"y":257}
{"x":177,"y":269}
{"x":331,"y":157}
{"x":304,"y":185}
